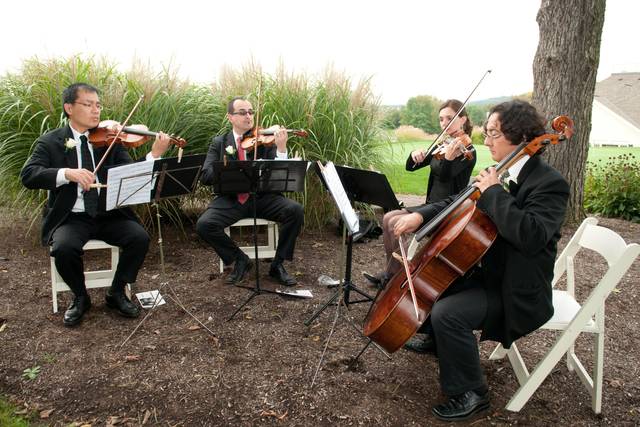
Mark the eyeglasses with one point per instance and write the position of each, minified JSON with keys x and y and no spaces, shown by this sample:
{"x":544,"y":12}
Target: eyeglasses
{"x":243,"y":113}
{"x":90,"y":105}
{"x":493,"y":134}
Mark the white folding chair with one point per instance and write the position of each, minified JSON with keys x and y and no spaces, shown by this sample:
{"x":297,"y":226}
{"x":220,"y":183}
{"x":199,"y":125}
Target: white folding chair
{"x":92,"y":279}
{"x":572,"y":318}
{"x":264,"y":251}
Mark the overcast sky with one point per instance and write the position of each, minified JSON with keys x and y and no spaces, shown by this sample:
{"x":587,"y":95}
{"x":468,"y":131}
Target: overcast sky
{"x":407,"y":47}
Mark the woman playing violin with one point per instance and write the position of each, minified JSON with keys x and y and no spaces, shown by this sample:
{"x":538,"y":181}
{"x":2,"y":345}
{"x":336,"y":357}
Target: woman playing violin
{"x":508,"y":295}
{"x":225,"y":210}
{"x":450,"y":171}
{"x":63,"y":163}
{"x":449,"y":174}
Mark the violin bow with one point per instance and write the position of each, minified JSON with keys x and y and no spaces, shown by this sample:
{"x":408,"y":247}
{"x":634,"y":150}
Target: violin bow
{"x":408,"y":273}
{"x":257,"y":119}
{"x":464,"y":104}
{"x":106,"y":153}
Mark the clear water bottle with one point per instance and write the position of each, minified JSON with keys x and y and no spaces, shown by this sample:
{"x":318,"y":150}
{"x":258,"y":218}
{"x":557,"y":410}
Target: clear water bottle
{"x":327,"y":281}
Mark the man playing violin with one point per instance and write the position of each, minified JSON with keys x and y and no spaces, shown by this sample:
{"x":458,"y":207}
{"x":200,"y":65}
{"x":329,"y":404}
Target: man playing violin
{"x":509,"y":293}
{"x":62,"y":163}
{"x":225,"y":210}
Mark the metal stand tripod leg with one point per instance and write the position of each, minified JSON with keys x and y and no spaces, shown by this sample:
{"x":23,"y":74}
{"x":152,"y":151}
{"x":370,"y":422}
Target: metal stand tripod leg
{"x":173,"y":295}
{"x":255,"y":291}
{"x":333,"y":326}
{"x":345,"y":287}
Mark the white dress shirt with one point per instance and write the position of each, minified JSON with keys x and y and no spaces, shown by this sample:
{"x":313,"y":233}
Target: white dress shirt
{"x":60,"y":177}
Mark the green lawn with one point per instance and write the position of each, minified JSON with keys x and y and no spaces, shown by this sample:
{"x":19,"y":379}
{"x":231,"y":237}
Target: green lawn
{"x":404,"y":182}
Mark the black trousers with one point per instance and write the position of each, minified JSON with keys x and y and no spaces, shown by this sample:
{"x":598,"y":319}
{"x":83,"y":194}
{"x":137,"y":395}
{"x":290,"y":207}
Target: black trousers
{"x":273,"y":207}
{"x":112,"y":227}
{"x":453,"y":319}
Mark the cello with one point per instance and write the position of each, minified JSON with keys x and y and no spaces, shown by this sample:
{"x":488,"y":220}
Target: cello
{"x":457,"y":239}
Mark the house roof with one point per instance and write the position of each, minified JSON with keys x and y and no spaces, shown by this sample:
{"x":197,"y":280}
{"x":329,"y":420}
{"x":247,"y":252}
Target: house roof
{"x":620,"y":92}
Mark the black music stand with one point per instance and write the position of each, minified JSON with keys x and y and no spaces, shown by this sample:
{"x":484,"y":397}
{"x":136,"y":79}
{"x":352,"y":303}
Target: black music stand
{"x":258,"y":177}
{"x":366,"y":187}
{"x":359,"y":186}
{"x":170,"y":177}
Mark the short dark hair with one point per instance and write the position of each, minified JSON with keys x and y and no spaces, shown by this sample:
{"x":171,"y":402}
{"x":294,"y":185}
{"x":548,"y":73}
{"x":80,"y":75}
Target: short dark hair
{"x":519,"y":121}
{"x":70,"y":94}
{"x":230,"y":104}
{"x":455,"y":105}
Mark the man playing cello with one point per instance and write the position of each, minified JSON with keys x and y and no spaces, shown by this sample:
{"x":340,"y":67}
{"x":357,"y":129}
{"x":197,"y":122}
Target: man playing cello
{"x":509,"y":294}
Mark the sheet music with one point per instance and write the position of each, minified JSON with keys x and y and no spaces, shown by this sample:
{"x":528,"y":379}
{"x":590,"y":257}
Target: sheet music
{"x":129,"y":184}
{"x":340,"y":196}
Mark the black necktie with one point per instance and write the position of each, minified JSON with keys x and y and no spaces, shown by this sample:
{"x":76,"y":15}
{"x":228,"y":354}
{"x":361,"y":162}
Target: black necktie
{"x":91,"y":196}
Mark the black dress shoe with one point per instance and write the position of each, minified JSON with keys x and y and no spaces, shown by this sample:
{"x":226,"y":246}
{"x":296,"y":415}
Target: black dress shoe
{"x":462,"y":406}
{"x":120,"y":302}
{"x":278,"y":272}
{"x":378,"y":280}
{"x":242,"y":265}
{"x":76,"y":310}
{"x":421,"y":343}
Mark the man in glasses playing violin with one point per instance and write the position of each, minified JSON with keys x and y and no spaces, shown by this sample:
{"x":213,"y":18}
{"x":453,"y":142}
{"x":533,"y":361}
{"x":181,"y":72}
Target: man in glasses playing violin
{"x":225,"y":210}
{"x":63,"y":162}
{"x":508,"y":295}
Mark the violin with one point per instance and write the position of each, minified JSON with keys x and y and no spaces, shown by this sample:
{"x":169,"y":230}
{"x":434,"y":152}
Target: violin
{"x":457,"y":239}
{"x":437,"y":144}
{"x":267,"y":137}
{"x":132,"y":136}
{"x":466,"y":149}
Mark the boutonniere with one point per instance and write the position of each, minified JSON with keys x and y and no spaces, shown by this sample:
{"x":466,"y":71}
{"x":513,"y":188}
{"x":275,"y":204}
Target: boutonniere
{"x":70,"y":144}
{"x":230,"y":150}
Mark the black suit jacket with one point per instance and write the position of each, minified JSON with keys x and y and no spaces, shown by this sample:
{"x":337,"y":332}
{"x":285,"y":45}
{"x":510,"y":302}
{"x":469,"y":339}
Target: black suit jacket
{"x":41,"y":170}
{"x":218,"y":149}
{"x":518,"y":268}
{"x":446,"y":177}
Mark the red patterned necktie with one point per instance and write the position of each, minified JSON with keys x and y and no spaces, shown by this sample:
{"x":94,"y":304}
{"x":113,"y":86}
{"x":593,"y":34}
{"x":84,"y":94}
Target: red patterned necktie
{"x":242,"y":197}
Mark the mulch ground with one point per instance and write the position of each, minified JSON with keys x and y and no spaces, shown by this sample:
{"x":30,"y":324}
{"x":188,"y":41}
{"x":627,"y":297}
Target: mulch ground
{"x":258,"y":368}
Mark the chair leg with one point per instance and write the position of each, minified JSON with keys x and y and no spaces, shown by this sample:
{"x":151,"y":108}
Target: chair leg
{"x":596,"y":397}
{"x":498,"y":353}
{"x":542,"y":370}
{"x":54,"y":285}
{"x":571,"y":356}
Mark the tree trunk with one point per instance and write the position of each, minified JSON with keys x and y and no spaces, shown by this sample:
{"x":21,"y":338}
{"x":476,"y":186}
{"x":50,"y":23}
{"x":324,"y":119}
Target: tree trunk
{"x":564,"y":80}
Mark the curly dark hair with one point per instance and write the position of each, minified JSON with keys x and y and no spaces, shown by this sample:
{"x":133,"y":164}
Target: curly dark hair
{"x":519,"y":121}
{"x":455,"y":105}
{"x":70,"y":94}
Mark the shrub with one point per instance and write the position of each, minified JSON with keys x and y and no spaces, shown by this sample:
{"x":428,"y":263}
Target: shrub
{"x":390,"y":117}
{"x":409,"y":133}
{"x":476,"y":136}
{"x":612,"y":188}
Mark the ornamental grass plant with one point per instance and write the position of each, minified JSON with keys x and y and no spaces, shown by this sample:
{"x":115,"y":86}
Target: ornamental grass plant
{"x":339,"y":115}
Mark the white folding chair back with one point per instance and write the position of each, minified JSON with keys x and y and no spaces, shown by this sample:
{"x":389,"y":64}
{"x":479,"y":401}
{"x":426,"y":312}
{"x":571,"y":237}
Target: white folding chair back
{"x":264,"y":251}
{"x":572,"y":318}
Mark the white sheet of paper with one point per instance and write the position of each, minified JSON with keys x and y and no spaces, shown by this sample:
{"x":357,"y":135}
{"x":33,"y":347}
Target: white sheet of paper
{"x":340,"y":196}
{"x":302,"y":293}
{"x":129,"y":184}
{"x":147,"y":299}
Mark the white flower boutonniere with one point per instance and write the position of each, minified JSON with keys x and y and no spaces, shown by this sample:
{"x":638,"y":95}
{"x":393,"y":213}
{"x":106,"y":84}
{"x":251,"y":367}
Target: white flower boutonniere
{"x":230,"y":150}
{"x":70,"y":144}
